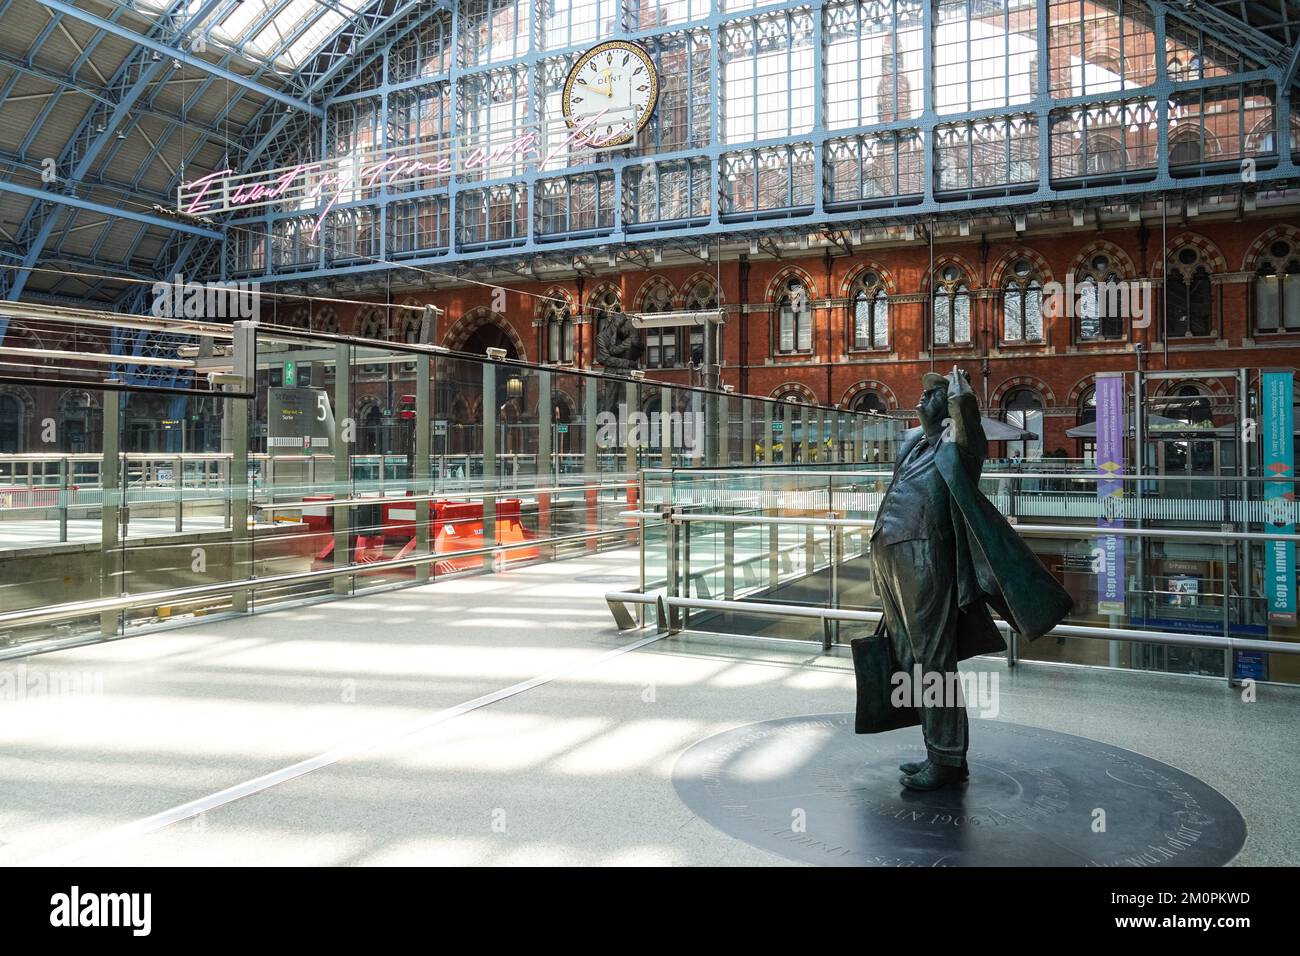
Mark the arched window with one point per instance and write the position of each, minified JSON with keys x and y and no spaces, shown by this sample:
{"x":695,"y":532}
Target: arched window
{"x":1099,"y":300}
{"x":1103,"y":154}
{"x":870,"y":312}
{"x":372,"y":326}
{"x":1185,"y":150}
{"x":1022,"y":304}
{"x":794,"y":318}
{"x":1188,"y":295}
{"x":703,"y":297}
{"x":12,"y":426}
{"x":951,"y":309}
{"x":869,"y":402}
{"x":1277,"y":289}
{"x":558,"y":323}
{"x":1087,"y":415}
{"x":81,"y":422}
{"x":661,"y":345}
{"x":1024,"y":409}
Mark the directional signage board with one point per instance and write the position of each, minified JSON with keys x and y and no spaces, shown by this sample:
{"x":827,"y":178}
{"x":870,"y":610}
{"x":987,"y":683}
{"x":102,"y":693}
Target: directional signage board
{"x":299,"y":418}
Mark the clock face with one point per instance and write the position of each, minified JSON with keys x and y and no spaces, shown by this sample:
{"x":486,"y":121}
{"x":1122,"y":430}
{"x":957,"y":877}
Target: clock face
{"x":611,"y":92}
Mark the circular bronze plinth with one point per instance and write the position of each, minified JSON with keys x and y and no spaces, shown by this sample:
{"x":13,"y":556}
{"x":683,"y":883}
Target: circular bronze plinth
{"x":810,"y":789}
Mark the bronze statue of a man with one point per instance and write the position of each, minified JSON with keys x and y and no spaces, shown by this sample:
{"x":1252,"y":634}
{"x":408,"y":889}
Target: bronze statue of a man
{"x":941,"y":556}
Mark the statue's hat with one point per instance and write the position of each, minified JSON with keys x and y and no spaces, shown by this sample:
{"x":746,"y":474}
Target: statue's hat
{"x":933,"y":380}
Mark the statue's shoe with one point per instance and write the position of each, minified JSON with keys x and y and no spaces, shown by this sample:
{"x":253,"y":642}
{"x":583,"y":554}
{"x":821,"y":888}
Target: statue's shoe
{"x":913,"y":767}
{"x":933,"y":776}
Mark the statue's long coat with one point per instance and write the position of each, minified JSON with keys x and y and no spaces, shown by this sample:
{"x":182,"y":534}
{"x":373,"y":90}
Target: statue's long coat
{"x":995,"y":568}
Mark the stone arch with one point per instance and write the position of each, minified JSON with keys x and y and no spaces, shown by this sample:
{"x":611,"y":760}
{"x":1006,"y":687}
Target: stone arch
{"x":553,"y":296}
{"x":1081,"y":386}
{"x":950,"y":259}
{"x":651,"y":284}
{"x":370,"y":319}
{"x":692,"y":281}
{"x":326,"y":320}
{"x":1022,"y":381}
{"x":1188,"y":132}
{"x":1210,"y":253}
{"x":786,"y":389}
{"x":778,"y":281}
{"x":69,"y":394}
{"x":1214,"y":386}
{"x":1250,"y":262}
{"x":869,"y":385}
{"x":476,"y":318}
{"x":1122,"y":261}
{"x":998,"y":273}
{"x":596,"y":293}
{"x":868,"y":265}
{"x":24,"y":398}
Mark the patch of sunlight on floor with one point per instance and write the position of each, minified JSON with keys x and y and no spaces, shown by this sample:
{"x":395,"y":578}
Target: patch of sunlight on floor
{"x":204,"y":841}
{"x":434,"y":851}
{"x":662,"y":670}
{"x":498,"y":743}
{"x":779,"y":755}
{"x":820,"y":680}
{"x":745,"y":675}
{"x":513,"y":623}
{"x":642,"y":856}
{"x":478,"y":660}
{"x":634,"y":745}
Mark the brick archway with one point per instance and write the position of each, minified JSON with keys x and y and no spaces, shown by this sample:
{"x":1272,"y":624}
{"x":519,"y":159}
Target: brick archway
{"x":650,"y":284}
{"x":1250,"y":262}
{"x":1210,"y":253}
{"x":779,"y":280}
{"x":868,"y":265}
{"x":804,"y":393}
{"x":1215,"y":386}
{"x":950,"y":259}
{"x":1021,"y":381}
{"x":998,"y":273}
{"x":692,"y":281}
{"x":869,"y":385}
{"x":553,"y":296}
{"x":1122,"y":260}
{"x":476,"y":318}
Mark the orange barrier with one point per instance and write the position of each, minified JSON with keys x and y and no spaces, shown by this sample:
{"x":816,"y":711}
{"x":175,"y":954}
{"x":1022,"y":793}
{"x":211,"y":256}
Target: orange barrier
{"x":455,"y":526}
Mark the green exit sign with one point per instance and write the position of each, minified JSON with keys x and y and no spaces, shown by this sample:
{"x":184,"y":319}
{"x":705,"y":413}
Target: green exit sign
{"x":562,"y":429}
{"x":290,"y":374}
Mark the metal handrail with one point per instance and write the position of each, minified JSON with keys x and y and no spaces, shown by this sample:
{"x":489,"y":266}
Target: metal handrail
{"x":440,"y":496}
{"x":775,"y":470}
{"x":75,"y":609}
{"x":1029,"y":530}
{"x":873,"y":617}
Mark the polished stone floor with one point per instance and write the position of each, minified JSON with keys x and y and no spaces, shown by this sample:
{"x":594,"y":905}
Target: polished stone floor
{"x":498,"y":720}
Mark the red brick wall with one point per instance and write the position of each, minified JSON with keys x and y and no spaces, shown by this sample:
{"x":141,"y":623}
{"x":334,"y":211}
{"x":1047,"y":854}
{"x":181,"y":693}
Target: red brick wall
{"x":1059,"y":368}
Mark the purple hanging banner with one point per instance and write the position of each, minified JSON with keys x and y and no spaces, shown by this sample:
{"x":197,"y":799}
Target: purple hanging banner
{"x":1108,"y":556}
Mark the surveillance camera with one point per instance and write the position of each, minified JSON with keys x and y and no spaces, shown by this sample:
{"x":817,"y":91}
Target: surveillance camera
{"x":217,"y":379}
{"x":638,"y":374}
{"x":496,"y":354}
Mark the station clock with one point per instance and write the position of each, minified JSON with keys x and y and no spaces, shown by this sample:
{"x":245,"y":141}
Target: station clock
{"x":612,"y":91}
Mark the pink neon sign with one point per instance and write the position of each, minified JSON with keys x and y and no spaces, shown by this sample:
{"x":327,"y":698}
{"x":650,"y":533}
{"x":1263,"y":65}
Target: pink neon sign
{"x":325,"y":186}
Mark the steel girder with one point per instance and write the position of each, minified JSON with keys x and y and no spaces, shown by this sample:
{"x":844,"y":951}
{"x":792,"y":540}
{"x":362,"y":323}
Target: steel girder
{"x":175,"y":53}
{"x":135,"y":75}
{"x":1254,"y":47}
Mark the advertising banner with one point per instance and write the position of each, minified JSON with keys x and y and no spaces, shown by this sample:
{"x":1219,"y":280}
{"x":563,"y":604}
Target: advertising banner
{"x":1110,"y":493}
{"x":1278,"y":427}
